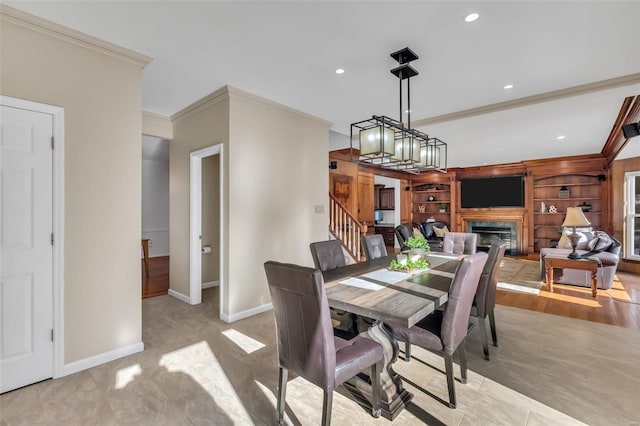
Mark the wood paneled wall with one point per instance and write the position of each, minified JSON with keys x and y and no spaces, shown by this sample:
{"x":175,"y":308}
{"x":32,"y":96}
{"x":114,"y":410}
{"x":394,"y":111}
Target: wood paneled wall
{"x":595,"y":164}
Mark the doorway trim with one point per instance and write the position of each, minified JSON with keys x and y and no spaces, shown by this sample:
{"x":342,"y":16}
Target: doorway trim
{"x":195,"y":223}
{"x":57,"y":222}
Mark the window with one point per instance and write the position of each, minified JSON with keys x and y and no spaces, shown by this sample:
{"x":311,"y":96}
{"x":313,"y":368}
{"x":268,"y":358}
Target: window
{"x":632,"y":215}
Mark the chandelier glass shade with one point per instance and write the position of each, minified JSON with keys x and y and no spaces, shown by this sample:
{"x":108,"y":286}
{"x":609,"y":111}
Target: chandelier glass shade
{"x":389,"y":143}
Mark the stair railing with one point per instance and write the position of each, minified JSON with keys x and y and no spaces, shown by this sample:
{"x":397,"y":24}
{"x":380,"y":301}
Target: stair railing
{"x":346,"y":228}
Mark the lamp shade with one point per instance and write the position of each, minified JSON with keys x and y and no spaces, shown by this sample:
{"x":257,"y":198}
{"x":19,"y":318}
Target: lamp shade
{"x":430,"y":156}
{"x":407,"y":150}
{"x":575,"y":217}
{"x":377,"y":141}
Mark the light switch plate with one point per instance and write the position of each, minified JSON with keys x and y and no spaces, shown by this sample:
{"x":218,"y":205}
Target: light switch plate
{"x":319,"y":209}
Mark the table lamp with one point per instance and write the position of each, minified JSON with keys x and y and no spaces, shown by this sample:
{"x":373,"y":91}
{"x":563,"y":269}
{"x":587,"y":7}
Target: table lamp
{"x":575,"y":217}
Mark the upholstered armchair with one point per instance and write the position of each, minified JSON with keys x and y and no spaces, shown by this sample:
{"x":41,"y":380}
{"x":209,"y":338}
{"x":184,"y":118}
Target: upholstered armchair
{"x":403,"y":232}
{"x":427,"y":229}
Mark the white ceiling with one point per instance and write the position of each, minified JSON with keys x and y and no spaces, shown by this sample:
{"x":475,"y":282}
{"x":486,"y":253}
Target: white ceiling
{"x":287,"y":52}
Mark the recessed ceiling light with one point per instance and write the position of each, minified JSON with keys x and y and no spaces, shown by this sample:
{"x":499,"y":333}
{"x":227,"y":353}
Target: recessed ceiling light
{"x":508,"y":86}
{"x":560,"y":137}
{"x":339,"y":71}
{"x":471,"y":17}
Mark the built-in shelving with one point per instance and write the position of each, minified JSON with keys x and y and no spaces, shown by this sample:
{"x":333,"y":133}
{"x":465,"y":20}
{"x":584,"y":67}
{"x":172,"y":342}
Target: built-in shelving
{"x":582,"y":188}
{"x":423,"y":208}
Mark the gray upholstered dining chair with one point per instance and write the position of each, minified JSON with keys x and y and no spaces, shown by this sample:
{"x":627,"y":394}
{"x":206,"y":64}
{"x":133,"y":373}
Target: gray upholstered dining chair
{"x":485,"y":300}
{"x":306,"y":344}
{"x":460,"y":243}
{"x":444,"y":332}
{"x":373,"y":246}
{"x":327,"y":254}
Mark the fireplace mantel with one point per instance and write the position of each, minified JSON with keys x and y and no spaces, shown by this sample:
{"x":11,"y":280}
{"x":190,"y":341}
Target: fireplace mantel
{"x":519,"y":216}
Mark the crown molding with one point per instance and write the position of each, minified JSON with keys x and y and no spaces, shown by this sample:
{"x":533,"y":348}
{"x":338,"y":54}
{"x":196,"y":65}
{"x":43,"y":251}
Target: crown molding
{"x":235,"y":92}
{"x":625,"y":80}
{"x":211,"y":99}
{"x":228,"y":92}
{"x":60,"y":32}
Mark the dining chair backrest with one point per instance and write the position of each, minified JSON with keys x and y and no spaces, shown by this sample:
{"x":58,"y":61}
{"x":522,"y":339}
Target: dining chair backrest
{"x":460,"y":242}
{"x":327,"y":255}
{"x":303,"y":323}
{"x":373,"y":246}
{"x":403,"y":232}
{"x":461,"y":293}
{"x":485,"y":299}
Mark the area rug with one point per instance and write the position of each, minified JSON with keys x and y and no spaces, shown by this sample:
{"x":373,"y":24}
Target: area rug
{"x":519,"y":275}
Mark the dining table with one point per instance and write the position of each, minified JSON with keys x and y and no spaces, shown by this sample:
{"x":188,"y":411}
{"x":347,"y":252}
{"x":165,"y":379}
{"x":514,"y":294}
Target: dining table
{"x":379,"y":295}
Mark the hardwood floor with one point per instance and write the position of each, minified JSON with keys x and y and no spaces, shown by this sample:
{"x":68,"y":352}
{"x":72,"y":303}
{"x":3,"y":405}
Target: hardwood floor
{"x":618,"y":306}
{"x":157,"y":283}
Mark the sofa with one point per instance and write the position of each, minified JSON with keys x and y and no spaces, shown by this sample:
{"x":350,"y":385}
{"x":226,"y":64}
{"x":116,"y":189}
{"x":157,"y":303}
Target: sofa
{"x":596,"y":245}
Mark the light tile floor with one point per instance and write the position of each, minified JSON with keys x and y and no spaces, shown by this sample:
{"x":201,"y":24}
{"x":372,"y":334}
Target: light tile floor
{"x":547,"y":370}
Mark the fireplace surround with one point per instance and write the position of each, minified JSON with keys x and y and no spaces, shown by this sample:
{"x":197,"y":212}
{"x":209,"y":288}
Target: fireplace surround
{"x":490,"y":232}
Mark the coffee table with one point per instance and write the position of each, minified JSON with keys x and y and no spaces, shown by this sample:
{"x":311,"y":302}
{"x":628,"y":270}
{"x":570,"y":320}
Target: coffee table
{"x":584,"y":264}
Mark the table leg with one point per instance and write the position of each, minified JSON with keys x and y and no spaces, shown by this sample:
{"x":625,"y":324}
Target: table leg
{"x":393,"y":397}
{"x":594,"y":283}
{"x":549,"y":271}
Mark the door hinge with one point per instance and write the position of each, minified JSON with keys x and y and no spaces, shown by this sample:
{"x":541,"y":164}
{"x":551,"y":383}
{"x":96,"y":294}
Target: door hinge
{"x":52,"y":334}
{"x":52,"y":238}
{"x":52,"y":142}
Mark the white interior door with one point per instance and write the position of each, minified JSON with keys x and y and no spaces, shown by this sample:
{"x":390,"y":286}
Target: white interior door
{"x":26,"y":274}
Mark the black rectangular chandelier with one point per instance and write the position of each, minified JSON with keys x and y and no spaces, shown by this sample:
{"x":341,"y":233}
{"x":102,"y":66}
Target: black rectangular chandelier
{"x":389,"y":143}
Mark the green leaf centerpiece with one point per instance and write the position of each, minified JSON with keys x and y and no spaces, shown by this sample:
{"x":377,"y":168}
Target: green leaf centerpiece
{"x":418,"y":242}
{"x":411,"y":266}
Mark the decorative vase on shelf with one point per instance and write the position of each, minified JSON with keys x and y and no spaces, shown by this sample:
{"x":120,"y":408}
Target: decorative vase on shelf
{"x":543,"y":208}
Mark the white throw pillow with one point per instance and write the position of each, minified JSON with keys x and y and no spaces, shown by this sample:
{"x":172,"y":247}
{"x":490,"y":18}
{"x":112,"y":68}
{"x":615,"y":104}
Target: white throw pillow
{"x":416,"y":232}
{"x":564,"y":242}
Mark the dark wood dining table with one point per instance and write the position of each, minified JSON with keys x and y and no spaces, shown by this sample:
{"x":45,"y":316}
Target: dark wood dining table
{"x":354,"y":288}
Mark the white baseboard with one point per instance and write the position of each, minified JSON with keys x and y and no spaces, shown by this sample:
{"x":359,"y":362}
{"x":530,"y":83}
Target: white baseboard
{"x":100,"y":359}
{"x":246,"y":314}
{"x":211,"y":284}
{"x":179,"y":296}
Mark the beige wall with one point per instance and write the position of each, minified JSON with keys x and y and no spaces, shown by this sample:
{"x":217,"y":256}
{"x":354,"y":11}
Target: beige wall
{"x":274,"y":173}
{"x":618,"y":169}
{"x":278,"y":173}
{"x":193,"y":129}
{"x":211,"y":217}
{"x":101,"y":97}
{"x":156,"y":125}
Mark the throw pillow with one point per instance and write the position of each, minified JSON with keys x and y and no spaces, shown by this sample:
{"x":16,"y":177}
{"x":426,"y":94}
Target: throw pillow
{"x":583,"y":244}
{"x":601,"y":242}
{"x":416,"y":232}
{"x":440,"y":231}
{"x":565,"y":242}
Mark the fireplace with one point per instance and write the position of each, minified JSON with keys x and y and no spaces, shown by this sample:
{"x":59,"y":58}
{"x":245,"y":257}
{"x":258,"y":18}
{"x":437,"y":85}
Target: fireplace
{"x":495,"y":231}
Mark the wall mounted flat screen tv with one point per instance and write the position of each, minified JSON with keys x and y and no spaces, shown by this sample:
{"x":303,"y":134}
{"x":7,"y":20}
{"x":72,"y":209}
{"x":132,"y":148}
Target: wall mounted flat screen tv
{"x":498,"y":191}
